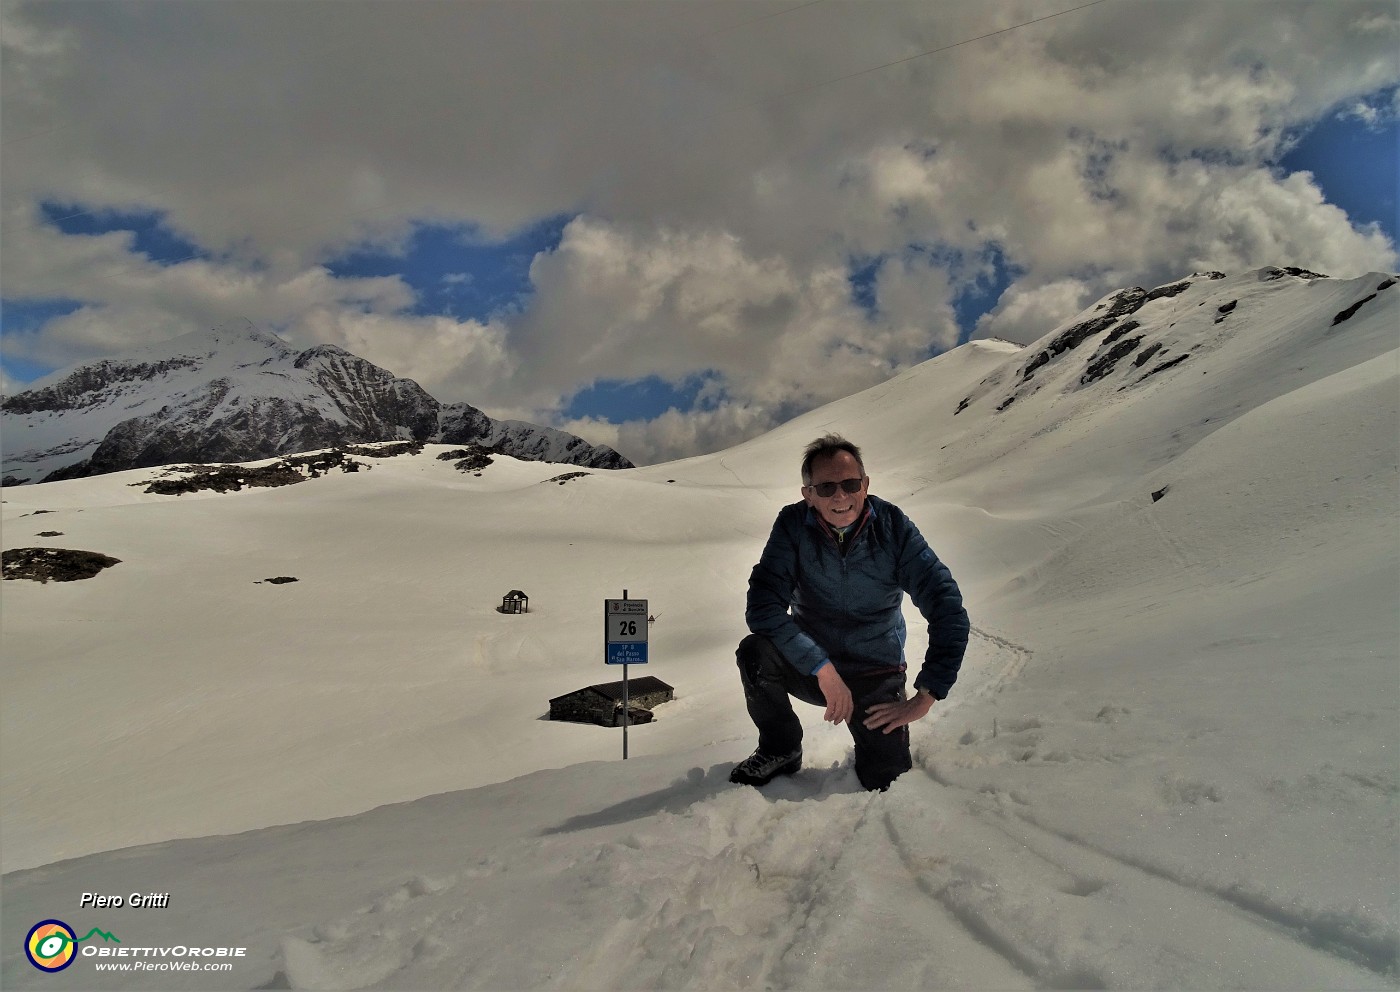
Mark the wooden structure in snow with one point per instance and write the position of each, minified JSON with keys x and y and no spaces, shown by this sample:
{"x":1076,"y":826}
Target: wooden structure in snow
{"x":514,"y":601}
{"x":602,"y":704}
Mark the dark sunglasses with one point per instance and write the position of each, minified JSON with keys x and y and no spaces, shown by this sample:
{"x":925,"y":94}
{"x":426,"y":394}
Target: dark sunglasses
{"x":826,"y":490}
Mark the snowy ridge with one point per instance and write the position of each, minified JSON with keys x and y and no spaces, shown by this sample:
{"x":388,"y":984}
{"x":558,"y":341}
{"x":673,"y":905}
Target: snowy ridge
{"x":232,"y":395}
{"x":1170,"y":759}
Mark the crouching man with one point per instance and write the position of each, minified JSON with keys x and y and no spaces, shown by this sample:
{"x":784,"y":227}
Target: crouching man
{"x":824,"y":611}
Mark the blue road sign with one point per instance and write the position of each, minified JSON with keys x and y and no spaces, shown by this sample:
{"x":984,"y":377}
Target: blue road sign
{"x":627,"y":654}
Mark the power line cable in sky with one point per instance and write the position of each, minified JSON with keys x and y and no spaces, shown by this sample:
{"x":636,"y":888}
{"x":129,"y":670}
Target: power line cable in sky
{"x":956,"y":44}
{"x":811,"y":87}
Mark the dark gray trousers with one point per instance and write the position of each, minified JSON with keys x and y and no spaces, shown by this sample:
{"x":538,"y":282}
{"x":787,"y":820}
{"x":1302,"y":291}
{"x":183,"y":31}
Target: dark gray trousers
{"x":769,"y":680}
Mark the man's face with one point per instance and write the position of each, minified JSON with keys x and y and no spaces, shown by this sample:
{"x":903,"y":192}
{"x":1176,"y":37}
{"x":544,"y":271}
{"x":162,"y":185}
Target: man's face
{"x":840,"y":509}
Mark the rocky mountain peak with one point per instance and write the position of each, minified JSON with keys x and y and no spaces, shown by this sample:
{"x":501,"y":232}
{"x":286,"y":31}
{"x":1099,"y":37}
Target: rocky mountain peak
{"x":237,"y":394}
{"x":328,"y":352}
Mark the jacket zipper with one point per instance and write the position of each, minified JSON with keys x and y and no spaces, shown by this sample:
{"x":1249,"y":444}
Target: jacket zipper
{"x":839,"y":539}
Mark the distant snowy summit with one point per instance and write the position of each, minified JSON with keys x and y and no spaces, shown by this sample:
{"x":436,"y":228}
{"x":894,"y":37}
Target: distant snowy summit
{"x":1135,"y":334}
{"x":231,"y":395}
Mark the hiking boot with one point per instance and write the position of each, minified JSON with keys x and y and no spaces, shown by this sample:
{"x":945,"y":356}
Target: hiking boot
{"x":760,"y":769}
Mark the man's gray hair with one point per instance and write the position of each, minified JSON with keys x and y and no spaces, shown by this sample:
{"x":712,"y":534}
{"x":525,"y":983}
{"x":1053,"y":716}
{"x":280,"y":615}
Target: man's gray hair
{"x":824,"y":447}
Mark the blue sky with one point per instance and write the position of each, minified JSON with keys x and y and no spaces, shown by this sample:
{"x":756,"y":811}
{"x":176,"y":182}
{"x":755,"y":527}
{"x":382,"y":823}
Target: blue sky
{"x":587,"y":248}
{"x":1357,"y":165}
{"x":455,"y":270}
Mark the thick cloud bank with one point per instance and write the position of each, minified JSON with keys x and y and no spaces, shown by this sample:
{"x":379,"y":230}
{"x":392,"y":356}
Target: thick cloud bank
{"x":792,"y":201}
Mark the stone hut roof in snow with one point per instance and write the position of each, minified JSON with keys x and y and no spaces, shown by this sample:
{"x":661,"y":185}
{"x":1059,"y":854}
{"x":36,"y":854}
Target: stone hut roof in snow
{"x":643,"y":686}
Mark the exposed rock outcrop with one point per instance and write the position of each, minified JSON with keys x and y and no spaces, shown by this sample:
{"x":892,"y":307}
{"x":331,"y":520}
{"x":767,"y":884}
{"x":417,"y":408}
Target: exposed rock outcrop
{"x":242,"y":395}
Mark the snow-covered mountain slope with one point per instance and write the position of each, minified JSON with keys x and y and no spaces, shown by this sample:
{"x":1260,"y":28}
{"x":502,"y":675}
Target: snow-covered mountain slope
{"x":1170,"y":759}
{"x":1261,"y":334}
{"x":238,"y":394}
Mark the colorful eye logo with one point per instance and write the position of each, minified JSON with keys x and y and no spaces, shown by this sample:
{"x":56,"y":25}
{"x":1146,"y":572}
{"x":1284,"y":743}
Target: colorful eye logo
{"x":51,"y":945}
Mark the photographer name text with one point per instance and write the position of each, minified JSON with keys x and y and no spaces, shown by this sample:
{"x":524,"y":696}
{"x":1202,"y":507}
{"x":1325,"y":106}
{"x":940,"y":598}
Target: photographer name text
{"x":137,"y":900}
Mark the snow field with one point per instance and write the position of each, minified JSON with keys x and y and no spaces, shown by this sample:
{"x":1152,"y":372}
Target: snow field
{"x":1170,"y":760}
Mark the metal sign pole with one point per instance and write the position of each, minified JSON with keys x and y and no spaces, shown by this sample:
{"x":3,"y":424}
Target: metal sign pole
{"x":624,"y":700}
{"x":625,"y":635}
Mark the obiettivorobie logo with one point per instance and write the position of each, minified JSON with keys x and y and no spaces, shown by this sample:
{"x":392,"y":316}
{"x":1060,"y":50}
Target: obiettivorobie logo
{"x":52,"y":946}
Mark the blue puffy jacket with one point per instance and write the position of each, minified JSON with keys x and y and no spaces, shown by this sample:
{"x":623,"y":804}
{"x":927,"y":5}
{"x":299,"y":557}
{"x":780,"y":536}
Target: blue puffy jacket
{"x":818,"y":601}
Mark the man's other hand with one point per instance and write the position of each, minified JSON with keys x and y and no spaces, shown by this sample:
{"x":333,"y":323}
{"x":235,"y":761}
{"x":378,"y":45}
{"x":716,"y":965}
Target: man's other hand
{"x":839,"y":705}
{"x":892,"y":716}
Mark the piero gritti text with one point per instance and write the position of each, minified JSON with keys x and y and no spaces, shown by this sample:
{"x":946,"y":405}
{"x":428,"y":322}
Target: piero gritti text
{"x":136,"y":900}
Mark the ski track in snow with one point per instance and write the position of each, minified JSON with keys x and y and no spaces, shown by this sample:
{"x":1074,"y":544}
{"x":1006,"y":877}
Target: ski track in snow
{"x":747,"y":888}
{"x":734,"y":873}
{"x":1052,"y":904}
{"x":741,"y":889}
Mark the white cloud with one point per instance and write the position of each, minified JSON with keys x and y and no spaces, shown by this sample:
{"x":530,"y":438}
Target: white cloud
{"x":453,"y":360}
{"x":142,"y":302}
{"x":624,"y":304}
{"x":722,"y":178}
{"x":1027,"y":314}
{"x":1286,"y":220}
{"x":8,"y":383}
{"x":674,"y":435}
{"x":1229,"y":220}
{"x":1375,"y":113}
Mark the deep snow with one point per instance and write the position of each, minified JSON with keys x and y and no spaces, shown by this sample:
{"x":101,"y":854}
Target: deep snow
{"x":1170,"y":760}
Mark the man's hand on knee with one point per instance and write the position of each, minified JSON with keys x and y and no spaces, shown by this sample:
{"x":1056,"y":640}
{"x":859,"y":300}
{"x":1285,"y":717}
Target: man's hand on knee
{"x":839,"y":705}
{"x":889,"y":717}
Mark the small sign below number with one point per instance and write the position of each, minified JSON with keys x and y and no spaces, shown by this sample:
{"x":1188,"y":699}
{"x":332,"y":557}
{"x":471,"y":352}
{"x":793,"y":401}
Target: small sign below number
{"x":627,"y":654}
